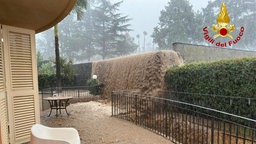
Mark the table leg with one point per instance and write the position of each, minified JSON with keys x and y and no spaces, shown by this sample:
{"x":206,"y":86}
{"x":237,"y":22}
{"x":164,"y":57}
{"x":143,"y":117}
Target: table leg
{"x":66,"y":111}
{"x":51,"y":105}
{"x":57,"y":107}
{"x":66,"y":103}
{"x":60,"y":105}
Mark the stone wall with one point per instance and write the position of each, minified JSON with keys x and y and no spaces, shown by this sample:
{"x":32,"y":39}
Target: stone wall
{"x":197,"y":53}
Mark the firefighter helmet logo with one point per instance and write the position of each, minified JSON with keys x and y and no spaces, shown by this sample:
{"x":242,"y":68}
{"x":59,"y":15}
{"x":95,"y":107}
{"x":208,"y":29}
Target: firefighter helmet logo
{"x":223,"y":28}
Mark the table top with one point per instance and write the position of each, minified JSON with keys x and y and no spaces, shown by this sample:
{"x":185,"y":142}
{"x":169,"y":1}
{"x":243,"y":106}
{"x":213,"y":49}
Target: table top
{"x":58,"y":98}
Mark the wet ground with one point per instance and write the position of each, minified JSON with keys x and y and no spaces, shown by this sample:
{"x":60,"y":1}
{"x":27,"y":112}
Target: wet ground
{"x":96,"y":126}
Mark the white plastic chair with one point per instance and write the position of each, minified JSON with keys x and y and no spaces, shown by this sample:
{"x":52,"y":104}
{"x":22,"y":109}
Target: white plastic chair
{"x":46,"y":135}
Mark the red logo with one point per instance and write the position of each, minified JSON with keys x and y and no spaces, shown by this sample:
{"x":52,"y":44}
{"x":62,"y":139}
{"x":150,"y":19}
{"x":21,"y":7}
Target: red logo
{"x":223,"y":29}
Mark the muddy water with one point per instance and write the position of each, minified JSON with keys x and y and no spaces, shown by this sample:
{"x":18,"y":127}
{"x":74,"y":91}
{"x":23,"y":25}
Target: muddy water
{"x":142,"y":73}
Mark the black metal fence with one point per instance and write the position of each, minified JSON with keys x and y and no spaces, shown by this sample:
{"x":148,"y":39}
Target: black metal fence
{"x":182,"y":122}
{"x":239,"y":105}
{"x":75,"y":92}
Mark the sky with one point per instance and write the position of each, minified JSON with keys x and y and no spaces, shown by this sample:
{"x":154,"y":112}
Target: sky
{"x":145,"y":14}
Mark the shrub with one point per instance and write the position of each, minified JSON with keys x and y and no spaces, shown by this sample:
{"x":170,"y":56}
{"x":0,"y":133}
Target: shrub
{"x":233,"y":77}
{"x":230,"y":77}
{"x":47,"y":81}
{"x":94,"y":86}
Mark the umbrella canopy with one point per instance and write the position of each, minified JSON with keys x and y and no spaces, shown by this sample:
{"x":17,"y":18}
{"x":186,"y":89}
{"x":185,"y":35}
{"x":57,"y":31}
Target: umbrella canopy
{"x":37,"y":15}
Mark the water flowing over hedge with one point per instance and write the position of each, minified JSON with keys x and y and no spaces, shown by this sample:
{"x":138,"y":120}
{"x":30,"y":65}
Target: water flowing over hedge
{"x":142,"y":73}
{"x":231,"y":77}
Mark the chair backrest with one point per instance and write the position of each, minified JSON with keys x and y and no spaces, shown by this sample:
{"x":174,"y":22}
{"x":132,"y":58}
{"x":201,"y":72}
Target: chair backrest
{"x":42,"y":134}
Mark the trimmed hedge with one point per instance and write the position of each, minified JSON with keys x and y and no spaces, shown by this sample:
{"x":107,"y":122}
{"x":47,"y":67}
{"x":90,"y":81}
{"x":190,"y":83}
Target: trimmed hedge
{"x":47,"y":81}
{"x":230,"y":77}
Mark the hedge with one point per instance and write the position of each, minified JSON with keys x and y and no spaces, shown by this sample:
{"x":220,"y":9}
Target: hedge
{"x":47,"y":81}
{"x":230,"y":77}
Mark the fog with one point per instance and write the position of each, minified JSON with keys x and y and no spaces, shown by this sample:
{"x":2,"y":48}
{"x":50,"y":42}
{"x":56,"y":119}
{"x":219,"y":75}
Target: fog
{"x":145,"y":13}
{"x":138,"y":26}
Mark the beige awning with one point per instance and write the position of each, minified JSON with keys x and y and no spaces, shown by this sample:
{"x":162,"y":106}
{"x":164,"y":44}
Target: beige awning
{"x":37,"y":15}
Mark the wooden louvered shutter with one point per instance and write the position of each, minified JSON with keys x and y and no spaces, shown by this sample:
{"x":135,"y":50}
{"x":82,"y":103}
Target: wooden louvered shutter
{"x":3,"y":100}
{"x":21,"y":82}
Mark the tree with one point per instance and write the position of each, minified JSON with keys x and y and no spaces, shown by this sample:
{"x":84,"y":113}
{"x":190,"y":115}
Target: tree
{"x":68,"y":35}
{"x":125,"y":45}
{"x":66,"y":66}
{"x":47,"y":73}
{"x":177,"y":24}
{"x":57,"y":57}
{"x":110,"y":28}
{"x":144,"y":44}
{"x":46,"y":69}
{"x":83,"y":39}
{"x":45,"y":43}
{"x":138,"y":39}
{"x":39,"y":59}
{"x":79,"y":42}
{"x":79,"y":6}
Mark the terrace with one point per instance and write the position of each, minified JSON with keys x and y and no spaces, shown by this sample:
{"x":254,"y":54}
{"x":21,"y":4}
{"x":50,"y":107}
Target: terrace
{"x":147,"y":119}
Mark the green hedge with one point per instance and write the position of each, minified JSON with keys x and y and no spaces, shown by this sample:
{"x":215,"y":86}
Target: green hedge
{"x":47,"y":81}
{"x":230,"y":77}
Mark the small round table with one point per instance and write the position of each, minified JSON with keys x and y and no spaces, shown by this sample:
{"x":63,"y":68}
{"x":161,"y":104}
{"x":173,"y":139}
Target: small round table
{"x":58,"y":103}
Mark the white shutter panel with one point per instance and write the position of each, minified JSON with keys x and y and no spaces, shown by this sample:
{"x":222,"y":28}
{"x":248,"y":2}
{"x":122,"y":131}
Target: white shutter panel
{"x":3,"y":101}
{"x":21,"y":61}
{"x":21,"y":77}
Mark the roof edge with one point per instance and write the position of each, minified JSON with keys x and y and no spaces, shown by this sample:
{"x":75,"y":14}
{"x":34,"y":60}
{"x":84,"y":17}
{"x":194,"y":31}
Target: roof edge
{"x":64,"y":13}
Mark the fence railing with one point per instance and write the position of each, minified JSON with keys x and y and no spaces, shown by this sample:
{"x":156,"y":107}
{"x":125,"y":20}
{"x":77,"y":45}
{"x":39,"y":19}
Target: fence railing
{"x":243,"y":106}
{"x":75,"y":92}
{"x":182,"y":122}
